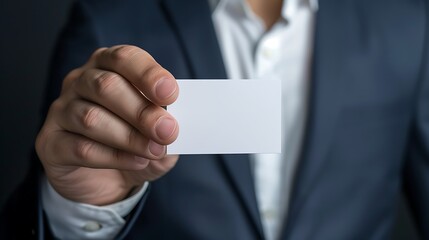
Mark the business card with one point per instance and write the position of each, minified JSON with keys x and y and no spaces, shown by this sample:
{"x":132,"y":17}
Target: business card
{"x":227,"y":116}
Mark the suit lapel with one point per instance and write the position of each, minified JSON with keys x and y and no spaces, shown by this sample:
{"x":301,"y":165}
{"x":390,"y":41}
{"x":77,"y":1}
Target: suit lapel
{"x":326,"y":93}
{"x":191,"y":20}
{"x":239,"y":173}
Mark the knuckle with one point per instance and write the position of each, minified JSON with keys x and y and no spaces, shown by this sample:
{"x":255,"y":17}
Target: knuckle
{"x":125,"y":52}
{"x":56,"y":106}
{"x":132,"y":137}
{"x":143,"y":113}
{"x":83,"y":148}
{"x":107,"y":83}
{"x":72,"y":75}
{"x":91,"y":117}
{"x":80,"y":80}
{"x":153,"y":71}
{"x":118,"y":156}
{"x":41,"y":142}
{"x":97,"y":52}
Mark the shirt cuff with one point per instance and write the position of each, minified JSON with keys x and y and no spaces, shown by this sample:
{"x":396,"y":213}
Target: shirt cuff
{"x":73,"y":220}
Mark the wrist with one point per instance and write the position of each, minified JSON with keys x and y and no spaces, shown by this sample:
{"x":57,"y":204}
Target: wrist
{"x":93,"y":191}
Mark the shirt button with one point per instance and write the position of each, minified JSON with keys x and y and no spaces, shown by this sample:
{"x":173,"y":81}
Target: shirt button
{"x":269,"y":214}
{"x":92,"y":226}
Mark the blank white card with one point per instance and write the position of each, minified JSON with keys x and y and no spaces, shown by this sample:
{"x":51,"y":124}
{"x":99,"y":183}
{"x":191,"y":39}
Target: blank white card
{"x":227,"y":117}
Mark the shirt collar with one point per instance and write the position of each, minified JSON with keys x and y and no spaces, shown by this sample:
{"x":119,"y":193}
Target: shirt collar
{"x":291,"y":6}
{"x":288,"y":10}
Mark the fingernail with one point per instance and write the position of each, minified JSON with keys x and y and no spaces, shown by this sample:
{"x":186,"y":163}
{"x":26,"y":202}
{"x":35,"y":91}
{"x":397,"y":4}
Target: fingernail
{"x":165,"y":88}
{"x":156,"y":149}
{"x":165,"y":128}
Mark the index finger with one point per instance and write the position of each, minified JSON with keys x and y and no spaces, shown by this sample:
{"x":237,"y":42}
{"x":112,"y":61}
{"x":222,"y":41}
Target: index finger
{"x":142,"y":71}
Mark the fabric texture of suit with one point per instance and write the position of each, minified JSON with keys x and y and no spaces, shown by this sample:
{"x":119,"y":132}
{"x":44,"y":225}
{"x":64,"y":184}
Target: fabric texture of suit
{"x":367,"y":134}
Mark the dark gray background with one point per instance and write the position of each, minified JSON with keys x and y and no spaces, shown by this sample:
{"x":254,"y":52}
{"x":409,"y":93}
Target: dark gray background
{"x":28,"y":31}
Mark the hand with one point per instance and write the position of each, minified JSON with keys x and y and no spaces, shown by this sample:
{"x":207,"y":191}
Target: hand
{"x":107,"y":132}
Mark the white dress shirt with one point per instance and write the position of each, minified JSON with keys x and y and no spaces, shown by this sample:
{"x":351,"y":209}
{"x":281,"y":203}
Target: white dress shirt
{"x":249,"y":51}
{"x":283,"y":52}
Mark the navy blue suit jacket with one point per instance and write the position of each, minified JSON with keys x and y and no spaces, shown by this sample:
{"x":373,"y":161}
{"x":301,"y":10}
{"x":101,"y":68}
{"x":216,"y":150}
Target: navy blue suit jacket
{"x":367,"y":134}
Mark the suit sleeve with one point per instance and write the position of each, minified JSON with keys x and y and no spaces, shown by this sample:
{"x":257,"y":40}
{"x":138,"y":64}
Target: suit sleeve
{"x":417,"y":165}
{"x":75,"y":44}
